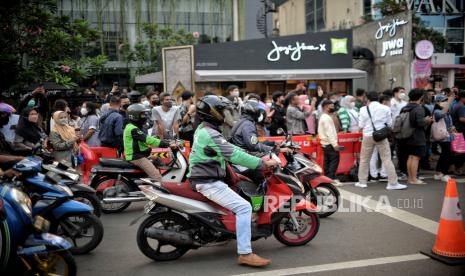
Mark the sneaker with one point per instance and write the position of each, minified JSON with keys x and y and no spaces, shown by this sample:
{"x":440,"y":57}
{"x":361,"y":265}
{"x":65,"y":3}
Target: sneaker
{"x":372,"y":179}
{"x":360,"y":185}
{"x":383,"y":179}
{"x":445,"y":178}
{"x":396,"y":186}
{"x":402,"y":176}
{"x":438,"y":176}
{"x":337,"y":183}
{"x":253,"y":260}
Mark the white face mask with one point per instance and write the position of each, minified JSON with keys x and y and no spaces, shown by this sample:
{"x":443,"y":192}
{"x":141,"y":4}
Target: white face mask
{"x":235,"y":94}
{"x":83,"y":111}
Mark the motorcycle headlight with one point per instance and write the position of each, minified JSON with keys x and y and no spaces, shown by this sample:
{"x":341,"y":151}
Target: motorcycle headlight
{"x":23,"y":201}
{"x":65,"y":189}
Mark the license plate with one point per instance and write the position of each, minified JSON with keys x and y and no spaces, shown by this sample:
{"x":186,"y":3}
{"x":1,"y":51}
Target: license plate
{"x":149,"y":206}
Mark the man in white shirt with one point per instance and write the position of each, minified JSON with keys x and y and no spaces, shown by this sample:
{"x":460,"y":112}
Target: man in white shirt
{"x":380,"y":118}
{"x":328,"y":139}
{"x":398,"y":101}
{"x":166,"y":118}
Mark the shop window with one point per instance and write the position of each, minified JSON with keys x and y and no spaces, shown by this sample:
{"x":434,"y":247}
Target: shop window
{"x":456,"y":48}
{"x":433,"y":21}
{"x":455,"y":21}
{"x":454,"y":35}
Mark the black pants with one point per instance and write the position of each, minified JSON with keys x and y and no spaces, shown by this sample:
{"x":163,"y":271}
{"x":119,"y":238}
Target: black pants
{"x":444,"y":159}
{"x":331,"y":163}
{"x":402,"y":155}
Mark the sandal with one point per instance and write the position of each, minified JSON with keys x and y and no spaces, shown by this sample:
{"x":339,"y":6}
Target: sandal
{"x":418,"y":182}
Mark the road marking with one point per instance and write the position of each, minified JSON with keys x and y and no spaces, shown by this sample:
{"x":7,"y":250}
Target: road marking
{"x":395,"y":213}
{"x":339,"y":266}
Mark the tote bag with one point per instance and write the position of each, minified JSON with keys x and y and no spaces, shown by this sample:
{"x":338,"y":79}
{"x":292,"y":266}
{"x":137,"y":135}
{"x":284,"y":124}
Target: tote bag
{"x":458,"y":144}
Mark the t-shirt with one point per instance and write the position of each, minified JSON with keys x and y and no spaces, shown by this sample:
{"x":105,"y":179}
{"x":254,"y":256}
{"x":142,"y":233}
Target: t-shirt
{"x":90,"y":122}
{"x":457,"y":113}
{"x":167,"y":119}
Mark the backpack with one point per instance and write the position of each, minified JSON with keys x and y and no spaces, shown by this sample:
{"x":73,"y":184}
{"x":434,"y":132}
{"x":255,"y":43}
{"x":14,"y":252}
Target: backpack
{"x":402,"y":128}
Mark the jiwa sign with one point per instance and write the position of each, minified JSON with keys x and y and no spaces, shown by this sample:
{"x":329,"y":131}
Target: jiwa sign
{"x":394,"y":46}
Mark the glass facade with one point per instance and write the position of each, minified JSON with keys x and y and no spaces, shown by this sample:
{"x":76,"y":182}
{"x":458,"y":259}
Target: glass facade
{"x":315,"y":15}
{"x":121,"y":21}
{"x":452,"y":27}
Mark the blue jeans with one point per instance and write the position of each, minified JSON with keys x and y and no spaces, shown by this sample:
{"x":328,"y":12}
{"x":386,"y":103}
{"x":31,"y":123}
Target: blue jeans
{"x":221,"y":194}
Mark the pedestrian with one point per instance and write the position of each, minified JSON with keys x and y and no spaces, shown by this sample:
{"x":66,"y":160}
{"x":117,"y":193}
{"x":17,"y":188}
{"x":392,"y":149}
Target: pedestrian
{"x":125,"y":103}
{"x":375,"y":116}
{"x":458,"y":118}
{"x":153,"y":98}
{"x":111,"y":126}
{"x":28,"y":132}
{"x":235,"y":110}
{"x":348,"y":115}
{"x":187,"y":113}
{"x":63,"y":139}
{"x":277,"y":114}
{"x":360,"y":99}
{"x":328,"y":139}
{"x":441,"y":113}
{"x":37,"y":99}
{"x":397,"y":102}
{"x":166,"y":118}
{"x":89,"y":127}
{"x":416,"y":144}
{"x":295,"y":117}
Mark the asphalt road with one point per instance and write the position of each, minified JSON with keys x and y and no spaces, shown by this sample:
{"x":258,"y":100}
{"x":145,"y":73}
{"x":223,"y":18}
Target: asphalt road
{"x":348,"y":243}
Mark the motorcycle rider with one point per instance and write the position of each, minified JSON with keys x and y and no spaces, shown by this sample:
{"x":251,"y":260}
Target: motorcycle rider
{"x":207,"y":171}
{"x":136,"y":142}
{"x":8,"y":156}
{"x":244,"y":135}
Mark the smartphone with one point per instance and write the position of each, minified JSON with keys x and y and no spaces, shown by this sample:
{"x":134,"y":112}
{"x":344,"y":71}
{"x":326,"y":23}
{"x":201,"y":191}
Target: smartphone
{"x":341,"y":148}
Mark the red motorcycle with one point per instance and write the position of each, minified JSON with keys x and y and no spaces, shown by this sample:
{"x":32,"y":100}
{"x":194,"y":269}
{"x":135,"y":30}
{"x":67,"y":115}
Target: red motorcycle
{"x":181,"y":219}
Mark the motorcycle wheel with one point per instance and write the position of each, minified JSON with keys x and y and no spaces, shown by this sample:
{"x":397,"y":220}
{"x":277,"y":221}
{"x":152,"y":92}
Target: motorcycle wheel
{"x":53,"y":263}
{"x":89,"y":199}
{"x":107,"y":182}
{"x":4,"y":245}
{"x":75,"y":228}
{"x":307,"y":230}
{"x":166,"y":220}
{"x":328,"y":198}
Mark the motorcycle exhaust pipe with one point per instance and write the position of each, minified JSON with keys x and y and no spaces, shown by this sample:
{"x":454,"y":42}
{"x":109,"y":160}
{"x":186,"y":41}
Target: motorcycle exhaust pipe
{"x":108,"y":200}
{"x":169,"y":236}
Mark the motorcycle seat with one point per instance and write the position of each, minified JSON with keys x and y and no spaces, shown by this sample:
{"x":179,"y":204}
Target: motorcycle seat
{"x":117,"y":163}
{"x":183,"y":189}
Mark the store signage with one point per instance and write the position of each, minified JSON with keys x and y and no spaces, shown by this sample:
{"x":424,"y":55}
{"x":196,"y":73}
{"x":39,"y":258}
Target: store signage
{"x":424,"y":49}
{"x":294,"y":51}
{"x":394,"y":47}
{"x":324,"y":50}
{"x":390,"y":28}
{"x":434,"y":6}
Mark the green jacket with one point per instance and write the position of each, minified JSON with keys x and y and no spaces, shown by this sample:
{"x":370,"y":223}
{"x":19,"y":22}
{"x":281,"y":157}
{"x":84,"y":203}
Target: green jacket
{"x":136,"y":143}
{"x":210,"y":151}
{"x":344,"y":119}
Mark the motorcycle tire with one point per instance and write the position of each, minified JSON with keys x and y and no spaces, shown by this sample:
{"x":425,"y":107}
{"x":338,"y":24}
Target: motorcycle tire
{"x":278,"y":233}
{"x":91,"y":200}
{"x":69,"y":264}
{"x":104,"y":208}
{"x":156,"y":254}
{"x":334,"y":192}
{"x":90,"y":219}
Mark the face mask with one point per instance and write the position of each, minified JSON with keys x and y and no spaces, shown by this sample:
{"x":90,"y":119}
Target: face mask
{"x":146,"y":103}
{"x":352,"y":105}
{"x":83,"y":111}
{"x":31,"y":103}
{"x":62,"y":121}
{"x":307,"y":101}
{"x":154,"y":103}
{"x":168,"y":104}
{"x":332,"y":110}
{"x":320,"y":93}
{"x":333,"y":100}
{"x":235,"y":94}
{"x":125,"y":106}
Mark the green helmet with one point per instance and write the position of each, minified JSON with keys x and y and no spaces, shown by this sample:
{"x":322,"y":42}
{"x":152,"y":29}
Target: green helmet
{"x":137,"y":113}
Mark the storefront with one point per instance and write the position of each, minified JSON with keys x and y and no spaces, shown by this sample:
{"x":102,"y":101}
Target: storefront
{"x":265,"y":65}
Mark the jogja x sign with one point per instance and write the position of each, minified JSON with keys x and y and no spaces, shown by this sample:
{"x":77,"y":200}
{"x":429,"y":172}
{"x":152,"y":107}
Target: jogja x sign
{"x":394,"y":46}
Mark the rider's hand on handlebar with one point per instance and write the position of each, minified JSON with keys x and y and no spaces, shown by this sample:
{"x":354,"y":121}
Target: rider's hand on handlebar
{"x":286,"y":150}
{"x":271,"y":163}
{"x":9,"y":173}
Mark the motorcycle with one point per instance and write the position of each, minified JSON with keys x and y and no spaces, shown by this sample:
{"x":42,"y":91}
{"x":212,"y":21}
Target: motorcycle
{"x":319,"y":189}
{"x":180,"y":219}
{"x":68,"y":218}
{"x":24,"y":241}
{"x":115,"y":179}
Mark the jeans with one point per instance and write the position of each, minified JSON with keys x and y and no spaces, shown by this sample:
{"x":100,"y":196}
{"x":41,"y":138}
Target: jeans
{"x":221,"y":194}
{"x":331,"y":161}
{"x":368,"y":145}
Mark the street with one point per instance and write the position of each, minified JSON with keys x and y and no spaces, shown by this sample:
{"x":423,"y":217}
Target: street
{"x":359,"y":242}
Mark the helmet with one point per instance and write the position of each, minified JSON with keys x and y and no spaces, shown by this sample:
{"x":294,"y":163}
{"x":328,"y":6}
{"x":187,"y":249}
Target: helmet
{"x":254,"y":111}
{"x":210,"y":109}
{"x":6,"y":108}
{"x":137,"y":113}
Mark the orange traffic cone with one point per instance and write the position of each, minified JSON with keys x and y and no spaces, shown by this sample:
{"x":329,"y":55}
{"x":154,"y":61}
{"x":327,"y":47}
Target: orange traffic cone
{"x":450,"y":240}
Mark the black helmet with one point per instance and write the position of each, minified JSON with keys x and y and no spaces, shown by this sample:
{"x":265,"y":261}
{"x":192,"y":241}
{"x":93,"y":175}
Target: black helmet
{"x":210,"y":109}
{"x":254,"y":111}
{"x":137,"y":113}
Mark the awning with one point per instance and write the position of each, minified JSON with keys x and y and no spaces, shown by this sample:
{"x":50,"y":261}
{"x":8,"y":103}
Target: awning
{"x":151,"y":78}
{"x":270,"y":75}
{"x":448,"y":66}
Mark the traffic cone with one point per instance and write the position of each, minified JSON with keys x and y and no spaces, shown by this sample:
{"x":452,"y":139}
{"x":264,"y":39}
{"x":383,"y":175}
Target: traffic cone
{"x":450,"y":240}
